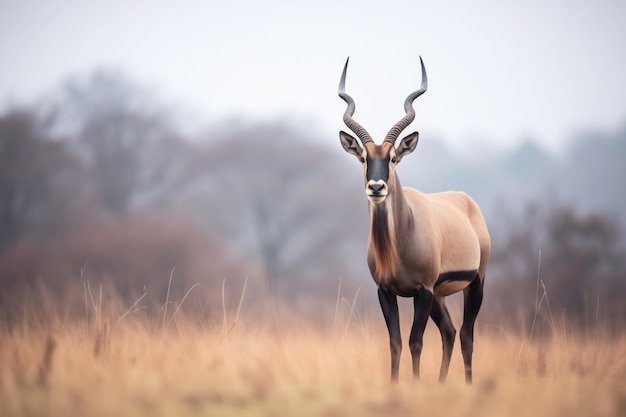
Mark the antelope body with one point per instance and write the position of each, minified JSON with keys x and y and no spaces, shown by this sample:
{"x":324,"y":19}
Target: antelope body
{"x":425,"y":246}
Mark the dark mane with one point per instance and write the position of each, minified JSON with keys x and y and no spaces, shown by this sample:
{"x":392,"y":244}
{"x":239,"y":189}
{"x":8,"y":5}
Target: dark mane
{"x":383,"y":239}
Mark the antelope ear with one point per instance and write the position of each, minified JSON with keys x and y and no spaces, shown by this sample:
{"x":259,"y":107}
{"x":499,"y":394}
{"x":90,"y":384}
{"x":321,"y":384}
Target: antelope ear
{"x":350,"y":144}
{"x":407,"y":145}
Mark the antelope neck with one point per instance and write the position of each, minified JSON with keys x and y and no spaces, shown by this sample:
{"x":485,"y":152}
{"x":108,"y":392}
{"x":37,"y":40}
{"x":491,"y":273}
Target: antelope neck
{"x":396,"y":206}
{"x":388,"y":219}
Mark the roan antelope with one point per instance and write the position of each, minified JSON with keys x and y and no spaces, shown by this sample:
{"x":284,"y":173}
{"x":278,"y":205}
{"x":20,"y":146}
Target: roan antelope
{"x":425,"y":246}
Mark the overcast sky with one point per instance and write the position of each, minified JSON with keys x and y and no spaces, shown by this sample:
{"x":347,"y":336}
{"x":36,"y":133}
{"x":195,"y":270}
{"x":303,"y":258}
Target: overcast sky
{"x":498,"y":71}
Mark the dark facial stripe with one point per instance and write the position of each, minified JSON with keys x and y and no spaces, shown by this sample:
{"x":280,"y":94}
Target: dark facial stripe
{"x":377,"y":169}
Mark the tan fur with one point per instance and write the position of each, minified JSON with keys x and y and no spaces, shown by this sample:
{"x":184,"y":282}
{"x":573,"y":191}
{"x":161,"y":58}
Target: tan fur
{"x":452,"y":235}
{"x":458,"y":225}
{"x":434,"y":234}
{"x":416,"y":237}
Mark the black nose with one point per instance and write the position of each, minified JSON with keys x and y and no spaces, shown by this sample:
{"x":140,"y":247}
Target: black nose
{"x":376,"y":187}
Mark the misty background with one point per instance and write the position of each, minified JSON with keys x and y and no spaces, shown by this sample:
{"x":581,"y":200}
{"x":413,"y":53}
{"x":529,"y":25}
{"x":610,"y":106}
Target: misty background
{"x":151,"y":146}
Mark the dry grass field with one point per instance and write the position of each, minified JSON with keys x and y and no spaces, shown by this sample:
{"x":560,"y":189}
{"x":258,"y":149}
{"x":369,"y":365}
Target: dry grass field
{"x":129,"y":367}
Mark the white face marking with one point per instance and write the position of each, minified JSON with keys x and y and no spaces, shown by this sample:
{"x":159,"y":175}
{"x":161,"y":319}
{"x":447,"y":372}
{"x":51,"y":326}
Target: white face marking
{"x":376,"y":191}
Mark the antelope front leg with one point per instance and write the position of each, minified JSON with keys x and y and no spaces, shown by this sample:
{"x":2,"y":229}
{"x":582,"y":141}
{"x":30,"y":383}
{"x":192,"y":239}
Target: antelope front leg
{"x":422,"y":303}
{"x":389,"y":305}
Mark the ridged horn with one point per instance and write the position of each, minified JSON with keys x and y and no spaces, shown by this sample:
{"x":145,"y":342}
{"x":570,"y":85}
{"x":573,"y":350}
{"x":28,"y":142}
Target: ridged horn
{"x":360,"y":132}
{"x":395,"y":131}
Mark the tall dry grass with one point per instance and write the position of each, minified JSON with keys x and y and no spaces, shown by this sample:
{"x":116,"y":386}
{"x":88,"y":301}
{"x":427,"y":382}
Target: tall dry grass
{"x":116,"y":362}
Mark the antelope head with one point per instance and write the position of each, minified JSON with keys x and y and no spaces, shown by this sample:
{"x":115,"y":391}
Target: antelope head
{"x":379,"y":161}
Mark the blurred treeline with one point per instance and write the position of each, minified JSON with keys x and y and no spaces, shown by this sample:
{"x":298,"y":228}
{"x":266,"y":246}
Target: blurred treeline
{"x":102,"y":192}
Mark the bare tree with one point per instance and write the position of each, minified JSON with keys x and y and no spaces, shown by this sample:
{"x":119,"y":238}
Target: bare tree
{"x":583,"y":262}
{"x":574,"y":260}
{"x":128,"y":147}
{"x":40,"y":182}
{"x":281,"y":200}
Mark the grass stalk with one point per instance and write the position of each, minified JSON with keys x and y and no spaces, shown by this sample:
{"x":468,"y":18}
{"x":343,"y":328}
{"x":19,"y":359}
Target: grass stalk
{"x":225,"y":331}
{"x":167,"y":299}
{"x":131,"y":309}
{"x":351,"y":307}
{"x":181,"y":304}
{"x":337,"y":302}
